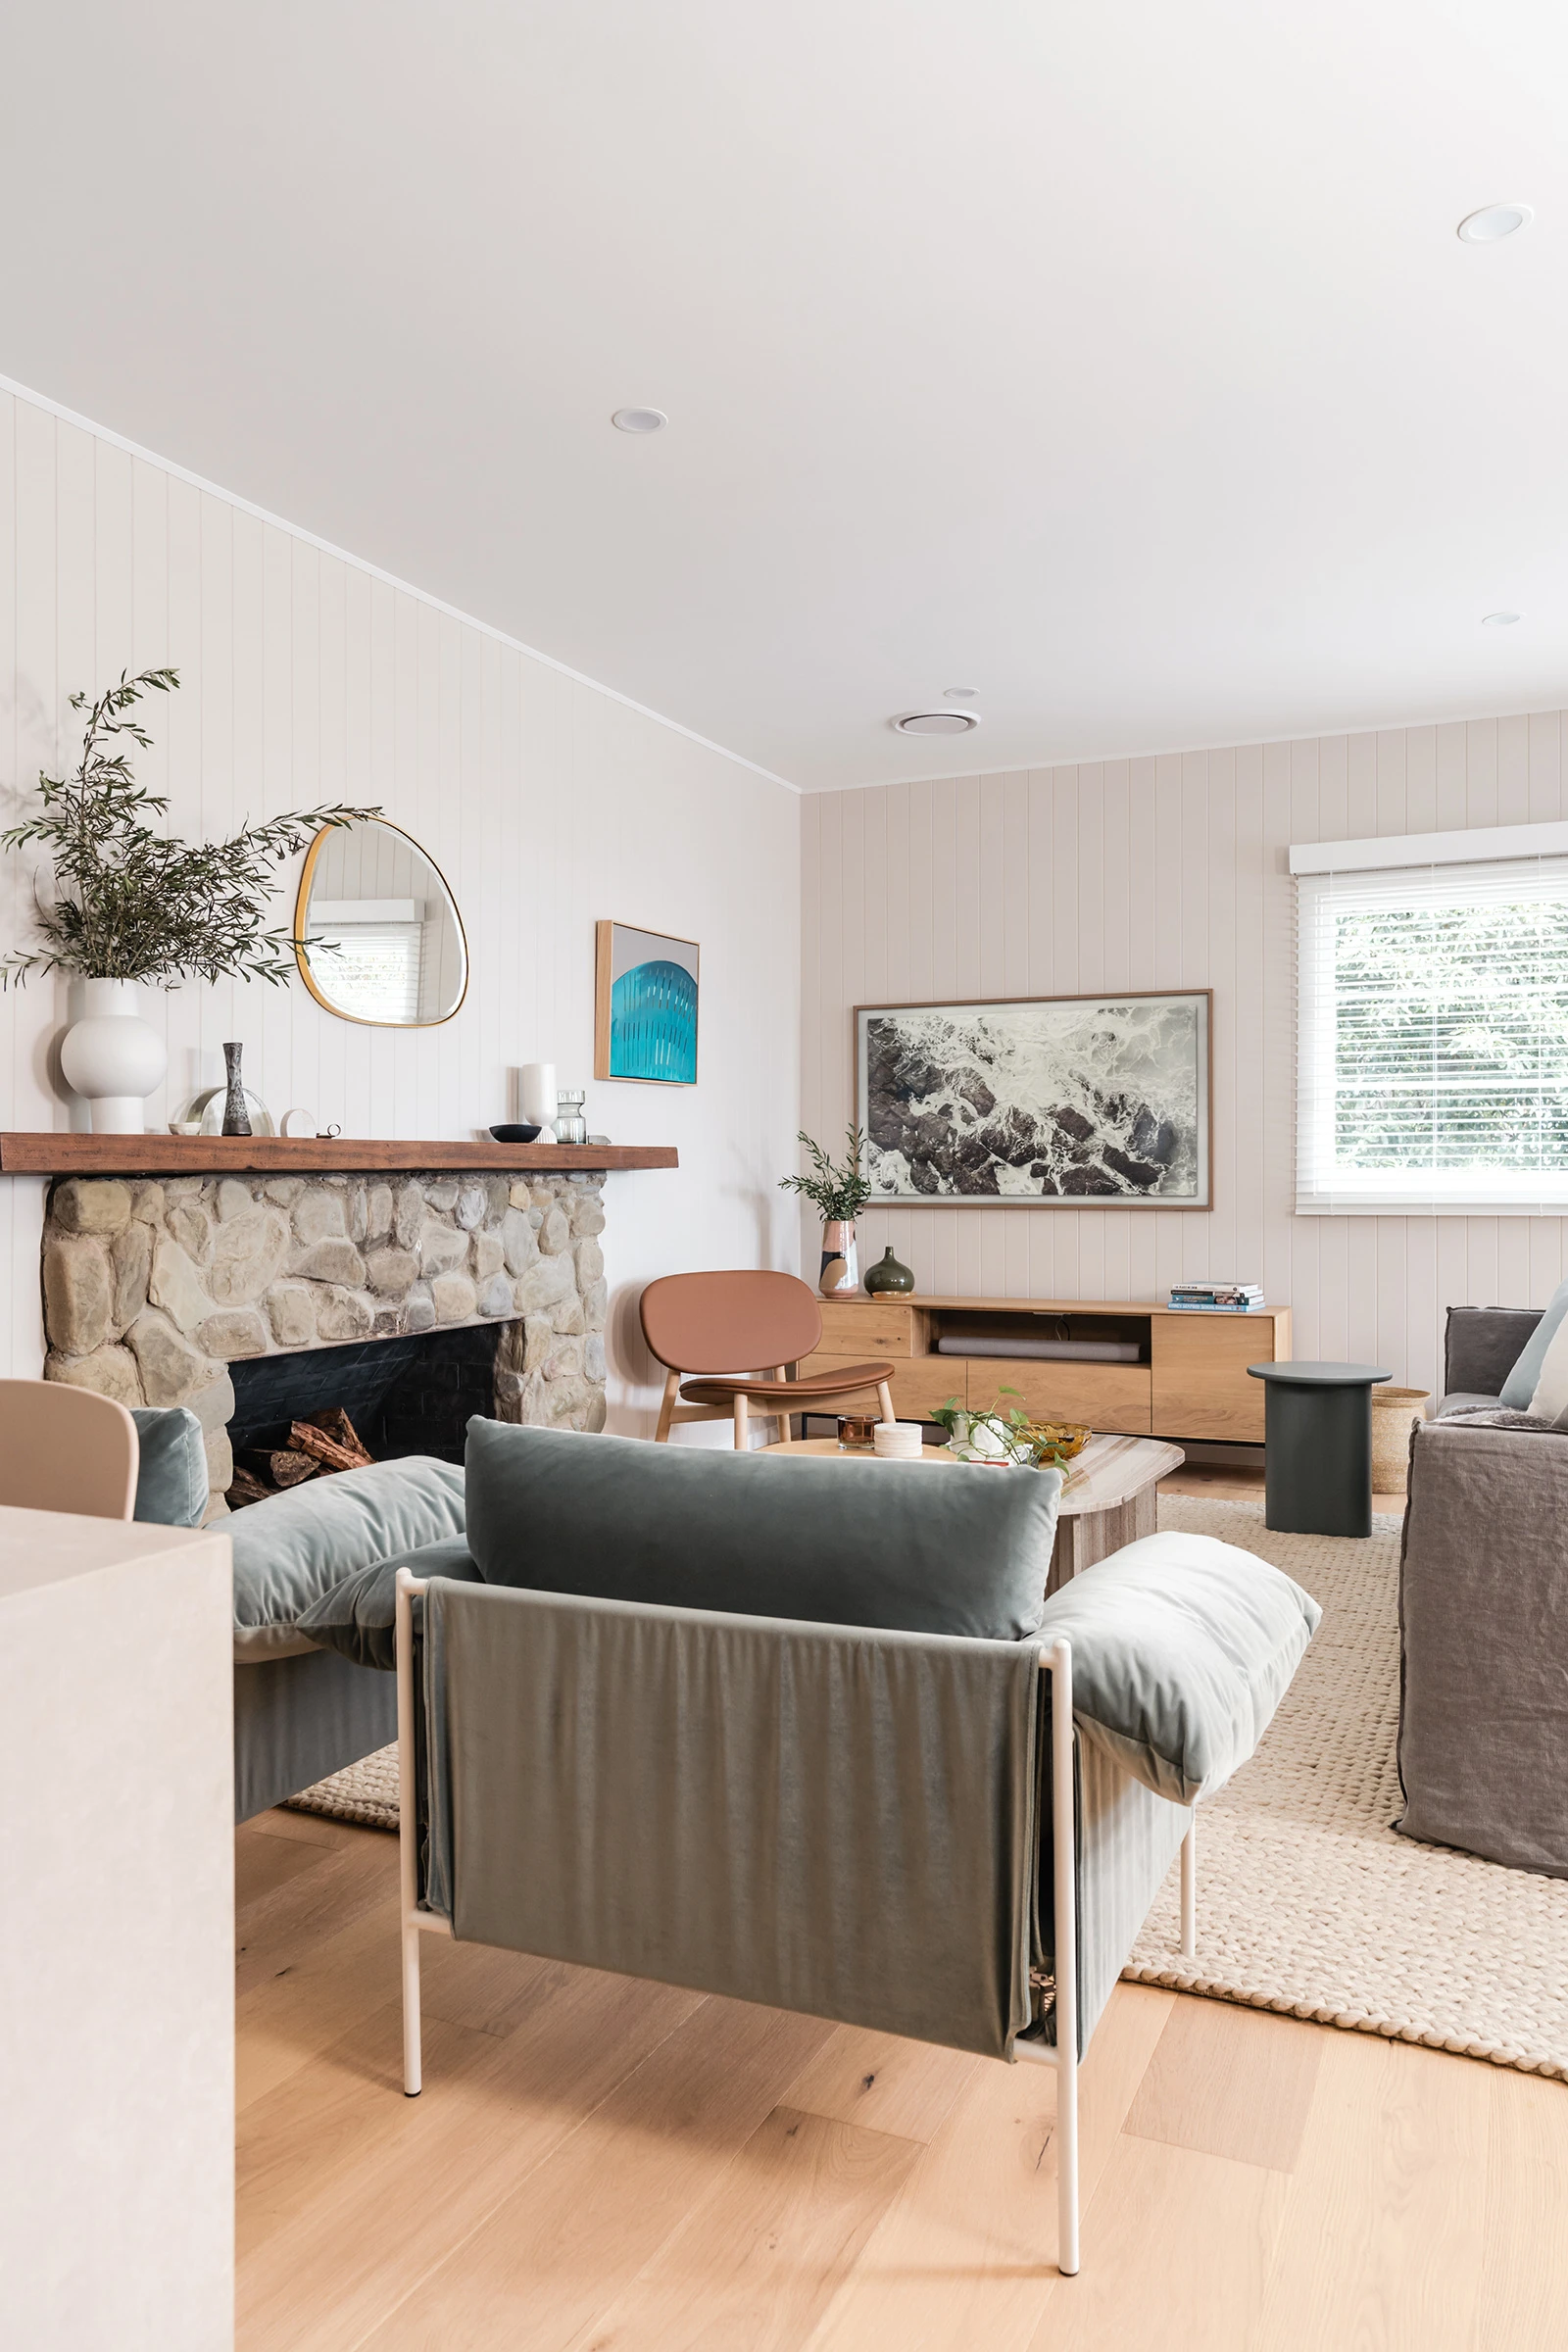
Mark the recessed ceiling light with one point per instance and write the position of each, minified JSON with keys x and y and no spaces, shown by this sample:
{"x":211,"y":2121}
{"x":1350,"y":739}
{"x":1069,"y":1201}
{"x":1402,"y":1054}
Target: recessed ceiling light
{"x":639,"y":420}
{"x":1499,"y":621}
{"x":1494,"y":220}
{"x":959,"y":693}
{"x":937,"y":723}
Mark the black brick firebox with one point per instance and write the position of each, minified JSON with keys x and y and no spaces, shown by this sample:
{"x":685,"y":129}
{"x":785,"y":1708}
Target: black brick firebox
{"x":405,"y":1395}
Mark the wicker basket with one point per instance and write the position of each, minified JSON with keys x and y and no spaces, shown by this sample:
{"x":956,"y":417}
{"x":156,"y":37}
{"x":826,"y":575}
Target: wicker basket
{"x":1395,"y":1413}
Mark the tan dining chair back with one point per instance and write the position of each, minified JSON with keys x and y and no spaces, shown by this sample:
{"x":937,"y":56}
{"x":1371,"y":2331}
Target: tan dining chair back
{"x":67,"y":1449}
{"x":745,"y":1321}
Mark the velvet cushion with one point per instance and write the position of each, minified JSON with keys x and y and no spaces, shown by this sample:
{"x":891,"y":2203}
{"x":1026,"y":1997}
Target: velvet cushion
{"x":294,"y":1547}
{"x":357,"y":1617}
{"x":1182,"y":1649}
{"x":835,"y":1543}
{"x":1549,"y":1403}
{"x":1520,"y":1384}
{"x":172,"y":1488}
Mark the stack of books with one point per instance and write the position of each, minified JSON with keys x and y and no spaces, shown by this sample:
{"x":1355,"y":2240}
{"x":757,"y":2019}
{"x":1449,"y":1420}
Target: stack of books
{"x":1217,"y":1298}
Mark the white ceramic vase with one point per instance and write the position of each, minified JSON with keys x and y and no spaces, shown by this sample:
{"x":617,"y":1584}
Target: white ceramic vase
{"x":112,"y":1057}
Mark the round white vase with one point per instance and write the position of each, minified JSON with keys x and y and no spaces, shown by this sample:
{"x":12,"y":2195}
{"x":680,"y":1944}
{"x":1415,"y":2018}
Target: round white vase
{"x":112,"y":1057}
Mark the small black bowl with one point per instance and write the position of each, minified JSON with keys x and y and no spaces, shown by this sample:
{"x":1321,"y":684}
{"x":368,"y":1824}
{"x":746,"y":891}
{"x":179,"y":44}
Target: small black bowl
{"x":515,"y":1135}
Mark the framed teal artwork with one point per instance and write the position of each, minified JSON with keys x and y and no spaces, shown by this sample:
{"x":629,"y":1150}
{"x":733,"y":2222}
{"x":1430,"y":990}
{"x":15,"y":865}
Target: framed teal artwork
{"x":645,"y":1005}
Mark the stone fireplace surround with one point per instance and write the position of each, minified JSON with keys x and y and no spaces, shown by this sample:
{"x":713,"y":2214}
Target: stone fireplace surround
{"x":152,"y":1287}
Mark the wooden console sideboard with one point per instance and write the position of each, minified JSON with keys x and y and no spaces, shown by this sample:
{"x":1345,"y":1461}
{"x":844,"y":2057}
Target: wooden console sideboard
{"x":1190,"y":1379}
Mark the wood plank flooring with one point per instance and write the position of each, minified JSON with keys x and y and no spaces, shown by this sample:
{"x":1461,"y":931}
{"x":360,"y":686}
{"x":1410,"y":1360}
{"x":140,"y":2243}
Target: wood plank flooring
{"x":602,"y":2166}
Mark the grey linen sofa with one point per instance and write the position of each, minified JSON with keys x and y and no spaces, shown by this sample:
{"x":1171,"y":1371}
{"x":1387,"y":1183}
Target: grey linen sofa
{"x":810,"y":1734}
{"x":1484,"y":1611}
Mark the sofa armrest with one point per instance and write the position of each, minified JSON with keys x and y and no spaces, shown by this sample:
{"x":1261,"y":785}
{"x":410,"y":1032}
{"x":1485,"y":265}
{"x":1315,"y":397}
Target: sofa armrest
{"x":1483,"y":1640}
{"x":1482,"y":1345}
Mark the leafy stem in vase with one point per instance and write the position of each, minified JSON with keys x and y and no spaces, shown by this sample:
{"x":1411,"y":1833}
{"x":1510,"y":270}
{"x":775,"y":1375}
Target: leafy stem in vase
{"x":838,"y":1192}
{"x":131,"y":903}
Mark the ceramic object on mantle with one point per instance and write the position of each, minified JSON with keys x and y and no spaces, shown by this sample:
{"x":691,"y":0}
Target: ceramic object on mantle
{"x":840,"y":1277}
{"x":206,"y":1109}
{"x":236,"y":1115}
{"x":889,"y":1275}
{"x":112,"y":1057}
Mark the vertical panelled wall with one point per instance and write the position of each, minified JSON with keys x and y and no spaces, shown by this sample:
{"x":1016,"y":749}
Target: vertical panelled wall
{"x":546,"y":802}
{"x":1165,"y":873}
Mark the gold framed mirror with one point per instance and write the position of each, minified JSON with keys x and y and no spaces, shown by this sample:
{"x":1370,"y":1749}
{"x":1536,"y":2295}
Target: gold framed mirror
{"x":378,"y":938}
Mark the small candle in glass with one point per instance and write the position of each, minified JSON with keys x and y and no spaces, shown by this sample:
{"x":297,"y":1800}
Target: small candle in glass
{"x":854,"y":1432}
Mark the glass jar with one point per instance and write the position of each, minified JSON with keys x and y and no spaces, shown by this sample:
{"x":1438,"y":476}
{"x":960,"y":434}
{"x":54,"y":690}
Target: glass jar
{"x":571,"y":1125}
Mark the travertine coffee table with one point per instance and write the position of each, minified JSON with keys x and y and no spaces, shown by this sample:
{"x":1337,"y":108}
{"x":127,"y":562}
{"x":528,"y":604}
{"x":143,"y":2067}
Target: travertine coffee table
{"x":1109,"y":1499}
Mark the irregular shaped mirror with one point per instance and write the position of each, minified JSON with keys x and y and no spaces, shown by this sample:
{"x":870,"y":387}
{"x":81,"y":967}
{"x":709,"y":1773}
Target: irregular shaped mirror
{"x":382,"y":938}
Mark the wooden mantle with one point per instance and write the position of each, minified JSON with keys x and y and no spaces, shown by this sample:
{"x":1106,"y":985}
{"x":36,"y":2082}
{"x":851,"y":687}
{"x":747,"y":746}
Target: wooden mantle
{"x":276,"y":1155}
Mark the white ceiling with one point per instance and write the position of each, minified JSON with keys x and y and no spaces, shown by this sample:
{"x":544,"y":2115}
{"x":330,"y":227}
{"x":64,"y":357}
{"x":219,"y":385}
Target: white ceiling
{"x":1120,"y":360}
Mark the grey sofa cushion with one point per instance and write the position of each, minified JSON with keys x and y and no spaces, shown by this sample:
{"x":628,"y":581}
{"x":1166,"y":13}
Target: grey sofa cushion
{"x":1520,"y":1384}
{"x":1182,"y":1649}
{"x":357,"y":1617}
{"x":837,"y":1543}
{"x":1481,"y":1344}
{"x":292,"y":1549}
{"x":171,"y":1488}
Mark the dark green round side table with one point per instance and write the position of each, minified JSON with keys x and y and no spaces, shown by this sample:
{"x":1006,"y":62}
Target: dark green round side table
{"x":1317,"y":1440}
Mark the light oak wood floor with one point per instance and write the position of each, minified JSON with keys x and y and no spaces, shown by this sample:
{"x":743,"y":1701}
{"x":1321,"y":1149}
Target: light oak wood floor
{"x":618,"y":2167}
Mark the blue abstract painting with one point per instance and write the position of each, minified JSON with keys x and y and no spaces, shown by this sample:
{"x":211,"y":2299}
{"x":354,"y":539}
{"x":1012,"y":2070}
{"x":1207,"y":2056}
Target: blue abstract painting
{"x":648,"y":1003}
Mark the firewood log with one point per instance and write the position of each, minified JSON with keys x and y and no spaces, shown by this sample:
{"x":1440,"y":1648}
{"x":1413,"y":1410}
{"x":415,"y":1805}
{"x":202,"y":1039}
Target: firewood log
{"x":336,"y":1424}
{"x":278,"y":1465}
{"x":314,"y":1442}
{"x":246,"y":1486}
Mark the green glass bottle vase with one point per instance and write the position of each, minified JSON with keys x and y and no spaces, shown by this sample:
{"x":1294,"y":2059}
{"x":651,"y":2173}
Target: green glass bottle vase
{"x":889,"y":1274}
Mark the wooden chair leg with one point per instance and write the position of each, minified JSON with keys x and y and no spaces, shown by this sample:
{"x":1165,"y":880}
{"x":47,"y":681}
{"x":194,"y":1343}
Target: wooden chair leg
{"x":886,"y":1394}
{"x":779,"y":1371}
{"x":666,"y":1408}
{"x":740,"y":1425}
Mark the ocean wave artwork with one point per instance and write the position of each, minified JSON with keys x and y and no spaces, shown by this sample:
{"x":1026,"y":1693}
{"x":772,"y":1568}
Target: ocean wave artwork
{"x":1043,"y":1101}
{"x":653,"y":1024}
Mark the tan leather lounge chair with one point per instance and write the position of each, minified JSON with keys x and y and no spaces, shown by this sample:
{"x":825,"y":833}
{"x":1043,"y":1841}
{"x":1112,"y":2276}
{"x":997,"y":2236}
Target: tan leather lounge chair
{"x":721,"y":1327}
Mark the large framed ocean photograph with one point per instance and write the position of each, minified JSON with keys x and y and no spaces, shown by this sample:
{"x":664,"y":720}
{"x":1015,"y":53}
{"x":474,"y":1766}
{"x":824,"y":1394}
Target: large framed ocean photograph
{"x":646,"y":996}
{"x":1039,"y":1101}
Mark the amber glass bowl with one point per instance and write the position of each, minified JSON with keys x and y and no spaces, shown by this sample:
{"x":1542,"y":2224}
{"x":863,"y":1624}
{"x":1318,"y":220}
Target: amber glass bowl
{"x":1065,"y":1439}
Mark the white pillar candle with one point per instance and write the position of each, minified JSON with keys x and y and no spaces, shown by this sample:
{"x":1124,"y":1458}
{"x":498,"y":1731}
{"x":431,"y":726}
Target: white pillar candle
{"x":536,"y":1092}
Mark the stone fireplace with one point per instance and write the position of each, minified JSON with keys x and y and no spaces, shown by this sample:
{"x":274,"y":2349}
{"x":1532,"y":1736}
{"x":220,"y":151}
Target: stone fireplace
{"x":153,"y":1287}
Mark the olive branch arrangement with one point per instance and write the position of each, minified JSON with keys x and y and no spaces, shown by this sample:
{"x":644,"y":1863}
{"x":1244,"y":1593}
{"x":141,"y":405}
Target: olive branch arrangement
{"x":131,"y":903}
{"x":839,"y":1193}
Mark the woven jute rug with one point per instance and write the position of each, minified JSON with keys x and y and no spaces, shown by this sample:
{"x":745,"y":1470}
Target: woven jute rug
{"x":1308,"y":1901}
{"x":367,"y":1793}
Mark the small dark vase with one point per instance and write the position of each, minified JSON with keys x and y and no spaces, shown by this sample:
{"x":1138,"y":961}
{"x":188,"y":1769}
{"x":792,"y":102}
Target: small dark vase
{"x":236,"y":1117}
{"x":889,"y":1273}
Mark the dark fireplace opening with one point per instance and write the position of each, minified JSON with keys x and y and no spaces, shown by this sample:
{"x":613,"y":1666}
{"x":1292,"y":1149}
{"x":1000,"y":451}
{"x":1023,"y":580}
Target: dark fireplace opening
{"x":405,"y":1395}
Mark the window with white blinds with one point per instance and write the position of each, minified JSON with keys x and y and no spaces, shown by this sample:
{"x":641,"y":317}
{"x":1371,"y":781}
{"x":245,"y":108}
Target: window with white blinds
{"x":1433,"y":1069}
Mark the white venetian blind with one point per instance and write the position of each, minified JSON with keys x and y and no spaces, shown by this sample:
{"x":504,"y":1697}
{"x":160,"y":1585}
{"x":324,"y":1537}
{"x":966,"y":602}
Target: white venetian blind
{"x":1433,"y":1069}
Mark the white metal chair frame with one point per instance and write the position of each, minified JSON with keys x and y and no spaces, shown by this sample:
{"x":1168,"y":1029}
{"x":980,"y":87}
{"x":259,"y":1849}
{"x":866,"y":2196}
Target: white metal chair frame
{"x":1063,"y":2056}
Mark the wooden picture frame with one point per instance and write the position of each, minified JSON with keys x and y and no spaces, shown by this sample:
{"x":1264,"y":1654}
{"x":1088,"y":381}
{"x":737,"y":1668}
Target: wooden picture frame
{"x":992,"y":1102}
{"x":646,"y":1034}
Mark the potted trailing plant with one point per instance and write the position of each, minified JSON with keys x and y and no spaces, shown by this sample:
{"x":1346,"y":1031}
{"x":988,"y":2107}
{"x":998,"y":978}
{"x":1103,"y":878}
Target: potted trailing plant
{"x":130,"y":906}
{"x":1005,"y":1434}
{"x":839,"y":1192}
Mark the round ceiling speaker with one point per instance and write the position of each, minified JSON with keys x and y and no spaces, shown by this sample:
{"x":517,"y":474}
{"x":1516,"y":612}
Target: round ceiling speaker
{"x":937,"y":723}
